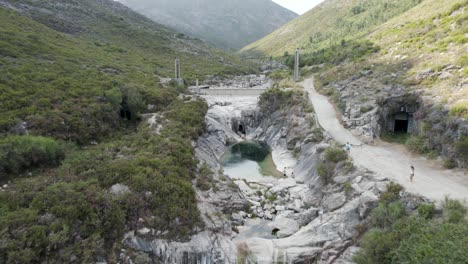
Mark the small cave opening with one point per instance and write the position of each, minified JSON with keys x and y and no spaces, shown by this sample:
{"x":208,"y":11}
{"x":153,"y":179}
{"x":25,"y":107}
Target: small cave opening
{"x":241,"y":129}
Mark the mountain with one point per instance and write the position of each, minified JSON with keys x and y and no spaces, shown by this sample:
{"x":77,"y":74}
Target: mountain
{"x":373,"y":57}
{"x":329,"y":23}
{"x":62,"y":55}
{"x":229,"y":24}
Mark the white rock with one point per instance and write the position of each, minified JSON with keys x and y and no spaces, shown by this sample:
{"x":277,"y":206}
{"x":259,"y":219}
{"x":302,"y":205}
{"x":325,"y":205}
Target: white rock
{"x":119,"y":189}
{"x":334,"y":201}
{"x":285,"y":225}
{"x":280,"y":208}
{"x":283,"y":185}
{"x":245,"y":189}
{"x":144,"y":231}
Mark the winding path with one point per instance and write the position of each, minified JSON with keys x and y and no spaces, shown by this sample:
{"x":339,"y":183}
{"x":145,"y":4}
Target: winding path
{"x":391,"y":160}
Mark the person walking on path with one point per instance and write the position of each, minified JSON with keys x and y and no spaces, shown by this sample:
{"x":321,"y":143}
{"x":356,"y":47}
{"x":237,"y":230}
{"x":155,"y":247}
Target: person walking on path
{"x":348,"y":147}
{"x":411,"y":174}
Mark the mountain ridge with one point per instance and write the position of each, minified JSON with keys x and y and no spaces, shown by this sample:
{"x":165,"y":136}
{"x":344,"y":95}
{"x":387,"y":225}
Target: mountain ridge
{"x":226,"y":24}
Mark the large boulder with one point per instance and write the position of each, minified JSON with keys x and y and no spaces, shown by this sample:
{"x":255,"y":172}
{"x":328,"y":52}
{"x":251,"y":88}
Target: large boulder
{"x":285,"y":226}
{"x":334,"y":201}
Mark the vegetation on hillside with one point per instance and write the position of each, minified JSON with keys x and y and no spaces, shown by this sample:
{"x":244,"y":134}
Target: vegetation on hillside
{"x":329,"y":24}
{"x":71,"y":213}
{"x":425,"y":236}
{"x":79,"y":162}
{"x":73,"y":88}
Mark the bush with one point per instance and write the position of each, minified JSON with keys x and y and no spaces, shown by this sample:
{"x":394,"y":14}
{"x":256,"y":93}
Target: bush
{"x":325,"y":172}
{"x":417,"y":145}
{"x":454,"y":211}
{"x":392,"y":193}
{"x":335,"y":155}
{"x":205,"y":178}
{"x":462,"y":148}
{"x":426,"y":211}
{"x":18,"y":153}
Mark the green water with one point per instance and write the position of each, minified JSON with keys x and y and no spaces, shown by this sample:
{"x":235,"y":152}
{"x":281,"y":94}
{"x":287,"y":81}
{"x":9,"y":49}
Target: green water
{"x":249,"y":160}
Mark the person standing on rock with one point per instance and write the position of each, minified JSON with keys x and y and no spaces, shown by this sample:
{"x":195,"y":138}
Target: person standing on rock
{"x":411,"y":173}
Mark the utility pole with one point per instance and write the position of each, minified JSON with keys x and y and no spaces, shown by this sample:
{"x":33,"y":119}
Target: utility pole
{"x":177,"y":68}
{"x":296,"y":66}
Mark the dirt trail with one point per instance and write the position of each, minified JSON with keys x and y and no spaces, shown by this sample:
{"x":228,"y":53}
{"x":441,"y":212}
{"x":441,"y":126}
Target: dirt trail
{"x":390,"y":160}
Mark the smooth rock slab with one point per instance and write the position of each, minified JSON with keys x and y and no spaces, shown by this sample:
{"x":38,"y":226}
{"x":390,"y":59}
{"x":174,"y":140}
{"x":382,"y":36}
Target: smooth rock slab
{"x":283,"y":185}
{"x":286,"y":226}
{"x":334,"y":201}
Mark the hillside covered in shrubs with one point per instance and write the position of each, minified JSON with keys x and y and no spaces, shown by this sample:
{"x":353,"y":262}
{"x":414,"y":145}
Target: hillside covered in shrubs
{"x":79,"y":164}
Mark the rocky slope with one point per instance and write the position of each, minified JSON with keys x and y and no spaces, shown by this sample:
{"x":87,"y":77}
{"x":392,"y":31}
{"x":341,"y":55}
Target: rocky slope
{"x":227,"y":24}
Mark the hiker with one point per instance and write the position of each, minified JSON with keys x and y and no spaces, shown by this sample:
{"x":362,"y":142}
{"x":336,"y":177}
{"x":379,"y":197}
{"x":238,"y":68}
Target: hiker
{"x":348,"y":147}
{"x":411,"y":175}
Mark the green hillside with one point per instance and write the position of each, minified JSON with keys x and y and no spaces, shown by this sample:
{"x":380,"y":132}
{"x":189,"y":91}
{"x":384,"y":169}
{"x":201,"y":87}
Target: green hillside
{"x":76,"y":78}
{"x":56,"y":71}
{"x":328,"y":24}
{"x":371,"y":50}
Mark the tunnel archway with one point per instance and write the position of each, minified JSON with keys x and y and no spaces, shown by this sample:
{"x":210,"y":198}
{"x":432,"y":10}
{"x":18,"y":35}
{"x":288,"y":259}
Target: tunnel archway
{"x":401,"y":123}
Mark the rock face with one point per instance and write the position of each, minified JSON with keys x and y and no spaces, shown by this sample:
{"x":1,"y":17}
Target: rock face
{"x":369,"y":103}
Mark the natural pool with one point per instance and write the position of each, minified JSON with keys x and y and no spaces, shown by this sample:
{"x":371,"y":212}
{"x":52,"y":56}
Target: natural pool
{"x":250,"y":160}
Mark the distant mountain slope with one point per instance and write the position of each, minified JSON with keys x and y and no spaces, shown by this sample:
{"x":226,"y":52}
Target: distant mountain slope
{"x":329,"y":23}
{"x":227,"y":24}
{"x":58,"y":67}
{"x":370,"y":52}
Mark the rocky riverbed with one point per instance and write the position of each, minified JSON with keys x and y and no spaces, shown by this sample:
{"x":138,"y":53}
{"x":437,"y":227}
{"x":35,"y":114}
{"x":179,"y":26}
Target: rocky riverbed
{"x":295,"y":219}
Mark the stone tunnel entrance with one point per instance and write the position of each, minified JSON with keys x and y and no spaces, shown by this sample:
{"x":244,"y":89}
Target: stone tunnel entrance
{"x":397,"y":115}
{"x":401,"y":122}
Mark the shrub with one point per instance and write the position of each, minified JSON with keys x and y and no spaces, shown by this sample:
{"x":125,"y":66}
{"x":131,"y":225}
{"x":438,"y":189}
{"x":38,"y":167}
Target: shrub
{"x":392,"y":193}
{"x":454,"y":211}
{"x":335,"y":155}
{"x":18,"y":153}
{"x":417,"y":145}
{"x":426,"y":211}
{"x":325,"y":172}
{"x":205,"y":178}
{"x":462,"y":148}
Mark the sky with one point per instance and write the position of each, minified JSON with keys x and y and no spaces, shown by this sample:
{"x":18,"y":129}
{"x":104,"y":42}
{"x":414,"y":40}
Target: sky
{"x":298,"y":6}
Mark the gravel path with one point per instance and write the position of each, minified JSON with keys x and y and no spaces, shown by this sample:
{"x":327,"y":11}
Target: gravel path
{"x":391,"y":160}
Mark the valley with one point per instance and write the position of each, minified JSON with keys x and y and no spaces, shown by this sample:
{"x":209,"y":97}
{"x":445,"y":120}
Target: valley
{"x":110,"y":155}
